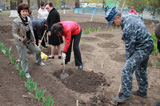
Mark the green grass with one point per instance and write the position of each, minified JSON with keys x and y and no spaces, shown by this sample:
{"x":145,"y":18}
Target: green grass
{"x":4,"y":12}
{"x":155,"y":51}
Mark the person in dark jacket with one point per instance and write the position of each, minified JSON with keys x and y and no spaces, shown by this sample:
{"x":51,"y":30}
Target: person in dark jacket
{"x":54,"y":40}
{"x":72,"y":33}
{"x":138,"y":46}
{"x":39,"y":27}
{"x":157,"y":33}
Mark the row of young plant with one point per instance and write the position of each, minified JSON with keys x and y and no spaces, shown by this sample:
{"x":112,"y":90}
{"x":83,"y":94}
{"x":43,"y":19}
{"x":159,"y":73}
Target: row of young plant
{"x":155,"y":51}
{"x":29,"y":84}
{"x":87,"y":31}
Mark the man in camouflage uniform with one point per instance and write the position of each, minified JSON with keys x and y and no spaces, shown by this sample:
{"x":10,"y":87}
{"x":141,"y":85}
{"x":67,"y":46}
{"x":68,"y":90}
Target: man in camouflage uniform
{"x":139,"y":45}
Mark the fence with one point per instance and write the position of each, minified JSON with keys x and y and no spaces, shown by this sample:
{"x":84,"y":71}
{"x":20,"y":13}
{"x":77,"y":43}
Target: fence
{"x":101,"y":12}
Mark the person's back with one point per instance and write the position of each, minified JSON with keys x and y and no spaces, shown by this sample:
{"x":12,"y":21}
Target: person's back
{"x":134,"y":29}
{"x":39,"y":28}
{"x":38,"y":23}
{"x":71,"y":26}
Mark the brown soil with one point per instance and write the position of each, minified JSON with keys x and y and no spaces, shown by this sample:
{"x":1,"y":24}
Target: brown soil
{"x":103,"y":56}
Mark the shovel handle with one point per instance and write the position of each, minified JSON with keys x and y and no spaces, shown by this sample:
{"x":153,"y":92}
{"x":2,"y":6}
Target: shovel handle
{"x":63,"y":65}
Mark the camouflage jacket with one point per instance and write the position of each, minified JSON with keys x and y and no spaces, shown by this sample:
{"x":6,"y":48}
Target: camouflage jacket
{"x":135,"y":34}
{"x":18,"y":30}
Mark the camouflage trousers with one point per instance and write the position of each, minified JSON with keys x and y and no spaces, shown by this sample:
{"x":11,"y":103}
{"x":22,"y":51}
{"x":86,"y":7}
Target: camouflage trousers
{"x":137,"y":62}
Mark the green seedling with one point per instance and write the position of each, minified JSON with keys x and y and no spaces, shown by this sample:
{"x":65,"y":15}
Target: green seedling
{"x":90,"y":29}
{"x":12,"y":59}
{"x":39,"y":94}
{"x":21,"y":73}
{"x":154,"y":38}
{"x":48,"y":101}
{"x":155,"y":51}
{"x":6,"y":51}
{"x":30,"y":85}
{"x":99,"y":29}
{"x":86,"y":31}
{"x":17,"y":66}
{"x":158,"y":63}
{"x":1,"y":46}
{"x":117,"y":52}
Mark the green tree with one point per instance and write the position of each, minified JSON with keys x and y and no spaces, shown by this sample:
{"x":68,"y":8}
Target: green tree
{"x":13,"y":4}
{"x":139,"y":5}
{"x":155,"y":6}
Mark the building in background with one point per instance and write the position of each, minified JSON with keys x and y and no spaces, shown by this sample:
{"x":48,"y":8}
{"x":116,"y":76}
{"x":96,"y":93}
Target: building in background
{"x":112,"y":3}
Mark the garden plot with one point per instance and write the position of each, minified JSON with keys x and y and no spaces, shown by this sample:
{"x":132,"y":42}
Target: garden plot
{"x":82,"y":81}
{"x":103,"y":56}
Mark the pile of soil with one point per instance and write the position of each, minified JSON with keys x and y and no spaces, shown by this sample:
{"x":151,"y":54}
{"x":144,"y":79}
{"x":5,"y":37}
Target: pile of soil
{"x":84,"y":82}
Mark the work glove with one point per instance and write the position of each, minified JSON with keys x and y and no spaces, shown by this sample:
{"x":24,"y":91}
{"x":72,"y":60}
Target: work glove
{"x":64,"y":55}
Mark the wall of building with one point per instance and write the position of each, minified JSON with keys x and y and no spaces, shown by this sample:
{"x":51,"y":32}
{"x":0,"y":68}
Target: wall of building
{"x":111,"y":3}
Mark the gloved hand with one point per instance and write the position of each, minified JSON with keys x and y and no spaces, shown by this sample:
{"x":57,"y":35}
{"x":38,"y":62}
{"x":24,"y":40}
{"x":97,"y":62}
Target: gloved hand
{"x":64,"y":55}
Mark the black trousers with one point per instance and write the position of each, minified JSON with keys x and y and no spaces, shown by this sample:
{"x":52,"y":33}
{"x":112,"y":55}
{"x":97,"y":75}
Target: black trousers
{"x":77,"y":54}
{"x":38,"y":38}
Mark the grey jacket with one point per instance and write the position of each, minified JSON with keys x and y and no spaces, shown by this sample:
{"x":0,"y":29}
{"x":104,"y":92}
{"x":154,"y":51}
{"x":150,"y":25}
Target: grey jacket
{"x":18,"y":30}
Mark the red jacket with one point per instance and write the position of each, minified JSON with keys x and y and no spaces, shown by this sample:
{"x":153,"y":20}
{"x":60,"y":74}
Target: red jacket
{"x":70,"y":28}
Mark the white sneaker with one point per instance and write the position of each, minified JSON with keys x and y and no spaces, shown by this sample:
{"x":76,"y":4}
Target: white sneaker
{"x":41,"y":64}
{"x":28,"y":75}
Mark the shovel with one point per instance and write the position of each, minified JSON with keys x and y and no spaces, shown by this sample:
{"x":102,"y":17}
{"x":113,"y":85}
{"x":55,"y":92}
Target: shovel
{"x":63,"y":75}
{"x":39,"y":43}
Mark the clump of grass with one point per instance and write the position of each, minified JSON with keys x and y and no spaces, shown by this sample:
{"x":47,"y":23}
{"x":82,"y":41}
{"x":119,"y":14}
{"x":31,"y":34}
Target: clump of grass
{"x":155,"y":51}
{"x":87,"y":31}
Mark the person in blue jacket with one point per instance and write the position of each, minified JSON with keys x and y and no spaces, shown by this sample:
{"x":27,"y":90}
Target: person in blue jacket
{"x":138,"y":47}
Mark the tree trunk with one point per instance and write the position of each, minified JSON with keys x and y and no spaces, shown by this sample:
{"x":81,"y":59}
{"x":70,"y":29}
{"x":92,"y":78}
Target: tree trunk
{"x":104,"y":3}
{"x":28,"y":3}
{"x":12,"y":5}
{"x":119,"y":5}
{"x":38,"y":3}
{"x":77,"y":4}
{"x":19,"y":1}
{"x":123,"y":5}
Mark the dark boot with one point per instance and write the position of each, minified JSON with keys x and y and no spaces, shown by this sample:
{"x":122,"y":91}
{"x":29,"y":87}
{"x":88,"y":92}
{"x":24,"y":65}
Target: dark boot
{"x":139,"y":93}
{"x":120,"y":98}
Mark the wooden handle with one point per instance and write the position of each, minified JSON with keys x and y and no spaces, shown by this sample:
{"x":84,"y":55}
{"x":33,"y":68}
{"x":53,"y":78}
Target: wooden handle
{"x":42,"y":38}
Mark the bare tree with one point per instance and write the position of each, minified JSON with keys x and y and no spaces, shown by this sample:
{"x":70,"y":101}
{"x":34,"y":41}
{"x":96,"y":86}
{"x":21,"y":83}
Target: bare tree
{"x":19,"y":1}
{"x":38,"y":3}
{"x":123,"y":5}
{"x":104,"y":3}
{"x":12,"y":4}
{"x":119,"y":4}
{"x":28,"y":3}
{"x":77,"y":4}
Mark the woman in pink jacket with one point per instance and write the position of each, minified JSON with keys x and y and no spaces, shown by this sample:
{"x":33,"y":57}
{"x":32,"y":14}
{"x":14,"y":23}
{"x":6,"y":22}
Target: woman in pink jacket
{"x":133,"y":11}
{"x":71,"y":31}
